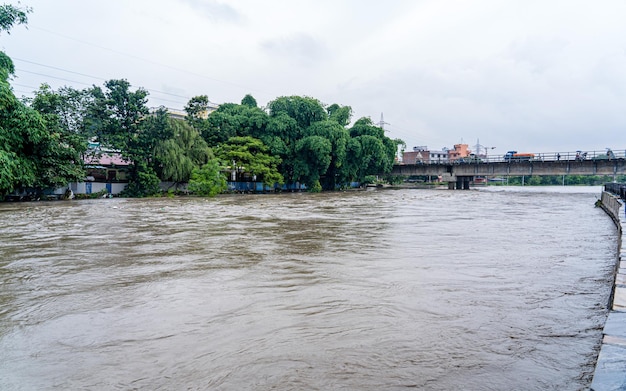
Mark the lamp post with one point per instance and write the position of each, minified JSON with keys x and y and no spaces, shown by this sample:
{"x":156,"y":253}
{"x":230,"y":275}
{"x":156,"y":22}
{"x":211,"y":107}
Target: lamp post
{"x":479,"y":146}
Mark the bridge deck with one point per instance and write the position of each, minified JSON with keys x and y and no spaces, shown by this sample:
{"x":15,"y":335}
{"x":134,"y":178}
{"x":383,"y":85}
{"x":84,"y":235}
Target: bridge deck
{"x":536,"y":167}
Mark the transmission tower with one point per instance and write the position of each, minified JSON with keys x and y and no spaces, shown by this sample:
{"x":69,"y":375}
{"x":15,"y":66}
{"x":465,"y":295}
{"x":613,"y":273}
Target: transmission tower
{"x":382,"y":122}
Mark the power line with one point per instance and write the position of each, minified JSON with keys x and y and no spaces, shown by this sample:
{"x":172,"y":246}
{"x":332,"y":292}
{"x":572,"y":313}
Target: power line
{"x":23,"y":85}
{"x":146,"y":60}
{"x":93,"y":77}
{"x":53,"y":77}
{"x":88,"y":84}
{"x":58,"y":69}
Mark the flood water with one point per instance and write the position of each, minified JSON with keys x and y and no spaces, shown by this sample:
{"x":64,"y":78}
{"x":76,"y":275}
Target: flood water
{"x":492,"y":289}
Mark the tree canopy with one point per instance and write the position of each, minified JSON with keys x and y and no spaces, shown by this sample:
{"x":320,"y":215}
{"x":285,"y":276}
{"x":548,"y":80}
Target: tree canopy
{"x":295,"y":139}
{"x":11,"y":15}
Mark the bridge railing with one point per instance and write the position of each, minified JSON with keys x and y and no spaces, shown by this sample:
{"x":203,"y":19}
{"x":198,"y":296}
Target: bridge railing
{"x":539,"y":156}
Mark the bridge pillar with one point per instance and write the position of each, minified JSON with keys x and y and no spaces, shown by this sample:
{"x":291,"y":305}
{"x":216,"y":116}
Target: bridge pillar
{"x":462,"y":182}
{"x":451,"y":185}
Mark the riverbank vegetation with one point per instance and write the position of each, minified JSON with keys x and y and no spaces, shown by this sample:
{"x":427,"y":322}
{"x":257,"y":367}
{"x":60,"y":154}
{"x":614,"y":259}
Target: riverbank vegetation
{"x":294,"y":139}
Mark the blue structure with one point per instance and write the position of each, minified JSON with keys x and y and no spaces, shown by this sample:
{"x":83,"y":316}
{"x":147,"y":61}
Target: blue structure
{"x":259,"y":187}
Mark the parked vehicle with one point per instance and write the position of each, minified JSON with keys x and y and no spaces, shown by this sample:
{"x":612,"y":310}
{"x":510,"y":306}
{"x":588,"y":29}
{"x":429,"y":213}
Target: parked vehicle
{"x":471,"y":158}
{"x":514,"y":156}
{"x":610,"y":155}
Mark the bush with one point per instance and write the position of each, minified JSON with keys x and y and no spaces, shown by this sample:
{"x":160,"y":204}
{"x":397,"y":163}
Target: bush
{"x":207,"y":181}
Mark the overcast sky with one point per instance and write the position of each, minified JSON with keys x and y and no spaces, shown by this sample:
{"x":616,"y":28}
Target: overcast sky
{"x":533,"y":76}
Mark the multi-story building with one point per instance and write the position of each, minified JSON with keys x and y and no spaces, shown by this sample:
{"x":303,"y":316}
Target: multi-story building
{"x":421,"y":155}
{"x":459,"y":151}
{"x":181,"y":114}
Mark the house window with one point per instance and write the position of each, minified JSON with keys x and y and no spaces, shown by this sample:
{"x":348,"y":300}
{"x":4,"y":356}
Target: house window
{"x":111,"y":175}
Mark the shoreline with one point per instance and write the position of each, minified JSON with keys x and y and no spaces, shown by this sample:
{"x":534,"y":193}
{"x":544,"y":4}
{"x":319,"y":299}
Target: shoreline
{"x":610,"y":370}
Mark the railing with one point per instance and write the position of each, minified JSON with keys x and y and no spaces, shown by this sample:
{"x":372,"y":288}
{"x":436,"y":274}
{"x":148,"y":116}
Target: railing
{"x":619,"y":189}
{"x":540,"y":156}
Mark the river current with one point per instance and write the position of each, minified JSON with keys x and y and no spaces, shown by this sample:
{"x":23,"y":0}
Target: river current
{"x":499,"y":288}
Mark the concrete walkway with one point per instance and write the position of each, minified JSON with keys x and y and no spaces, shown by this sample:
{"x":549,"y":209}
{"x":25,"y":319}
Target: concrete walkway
{"x":610,"y":372}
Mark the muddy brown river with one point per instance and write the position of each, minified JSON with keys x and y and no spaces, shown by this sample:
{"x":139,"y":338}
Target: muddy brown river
{"x":499,"y":288}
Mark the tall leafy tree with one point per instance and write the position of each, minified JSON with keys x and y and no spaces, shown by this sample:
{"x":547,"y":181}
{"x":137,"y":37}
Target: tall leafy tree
{"x":178,"y":156}
{"x":35,"y":151}
{"x":20,"y":130}
{"x":281,"y":135}
{"x":377,"y":150}
{"x":116,"y":116}
{"x":314,"y":158}
{"x":254,"y":157}
{"x":249,"y":101}
{"x":62,"y":113}
{"x":68,"y":104}
{"x":197,"y":111}
{"x":304,"y":110}
{"x":222,"y":125}
{"x":197,"y":107}
{"x":340,"y":114}
{"x":338,"y":137}
{"x":233,"y":120}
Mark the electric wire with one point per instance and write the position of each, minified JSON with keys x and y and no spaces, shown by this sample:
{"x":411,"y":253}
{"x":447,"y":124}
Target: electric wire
{"x":92,"y":77}
{"x":88,"y":84}
{"x":146,"y":60}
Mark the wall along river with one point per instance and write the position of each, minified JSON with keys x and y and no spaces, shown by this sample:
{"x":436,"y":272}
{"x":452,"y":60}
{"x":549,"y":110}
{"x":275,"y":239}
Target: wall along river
{"x":500,"y":288}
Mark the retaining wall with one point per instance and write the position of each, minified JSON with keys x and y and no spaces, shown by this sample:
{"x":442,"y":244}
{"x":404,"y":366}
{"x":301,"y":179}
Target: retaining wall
{"x":610,"y":371}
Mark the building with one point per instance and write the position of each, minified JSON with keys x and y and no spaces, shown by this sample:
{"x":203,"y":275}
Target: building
{"x":439,"y":157}
{"x":421,"y":155}
{"x":106,"y":170}
{"x":459,"y":151}
{"x":106,"y":167}
{"x":181,"y":114}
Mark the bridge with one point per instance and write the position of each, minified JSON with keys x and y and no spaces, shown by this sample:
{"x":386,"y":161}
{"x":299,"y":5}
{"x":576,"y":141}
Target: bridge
{"x":460,"y":173}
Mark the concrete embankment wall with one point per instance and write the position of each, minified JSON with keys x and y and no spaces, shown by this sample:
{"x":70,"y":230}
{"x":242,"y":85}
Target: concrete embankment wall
{"x":611,"y":204}
{"x":610,"y":371}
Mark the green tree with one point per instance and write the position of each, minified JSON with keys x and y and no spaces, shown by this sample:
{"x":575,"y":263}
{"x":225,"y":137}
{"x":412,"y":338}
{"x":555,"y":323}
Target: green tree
{"x":338,"y":137}
{"x":178,"y":156}
{"x":59,"y":157}
{"x":68,"y":104}
{"x":352,"y":165}
{"x":254,"y":157}
{"x":378,"y":152}
{"x":281,"y":135}
{"x":35,"y":151}
{"x":197,"y":112}
{"x":197,"y":107}
{"x":249,"y":101}
{"x":373,"y":156}
{"x":340,"y":114}
{"x":117,"y":116}
{"x":314,"y":159}
{"x":232,"y":120}
{"x":11,"y":15}
{"x":222,"y":124}
{"x":304,"y":110}
{"x":207,"y":180}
